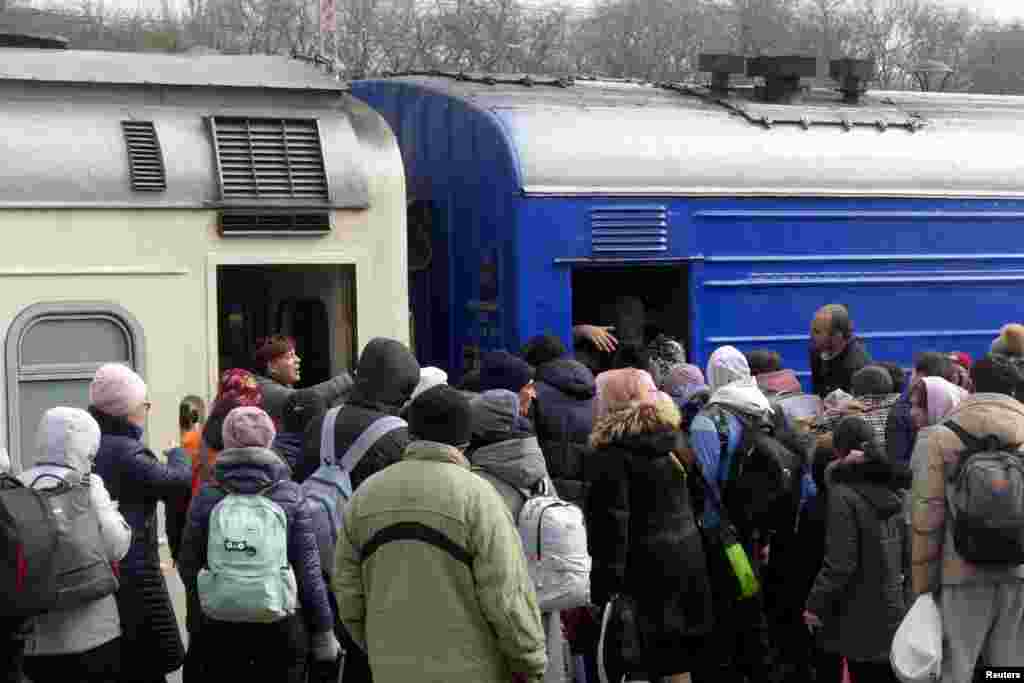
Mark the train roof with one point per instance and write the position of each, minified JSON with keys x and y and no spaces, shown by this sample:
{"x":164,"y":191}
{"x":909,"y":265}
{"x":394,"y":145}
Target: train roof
{"x":602,"y":137}
{"x":90,"y":129}
{"x":152,"y":69}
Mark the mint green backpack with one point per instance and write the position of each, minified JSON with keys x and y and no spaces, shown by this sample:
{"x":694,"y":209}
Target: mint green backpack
{"x":247,"y":576}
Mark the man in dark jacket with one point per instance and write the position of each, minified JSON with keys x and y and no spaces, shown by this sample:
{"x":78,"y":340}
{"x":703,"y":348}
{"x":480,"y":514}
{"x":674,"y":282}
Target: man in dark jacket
{"x":563,"y":415}
{"x":386,"y":376}
{"x":836,"y":354}
{"x":502,"y":370}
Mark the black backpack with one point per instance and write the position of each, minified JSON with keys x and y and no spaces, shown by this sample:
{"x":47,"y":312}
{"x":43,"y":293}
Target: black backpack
{"x":52,"y":555}
{"x":762,"y":486}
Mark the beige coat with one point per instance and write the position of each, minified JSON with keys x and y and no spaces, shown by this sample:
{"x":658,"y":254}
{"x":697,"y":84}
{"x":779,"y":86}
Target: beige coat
{"x":935,"y":561}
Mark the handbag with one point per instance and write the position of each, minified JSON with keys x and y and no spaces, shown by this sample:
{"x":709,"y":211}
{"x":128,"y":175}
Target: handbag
{"x":916,"y":654}
{"x":619,"y":648}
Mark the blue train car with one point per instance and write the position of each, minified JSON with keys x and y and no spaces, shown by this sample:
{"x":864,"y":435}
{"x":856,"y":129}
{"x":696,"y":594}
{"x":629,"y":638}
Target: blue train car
{"x":533,"y":202}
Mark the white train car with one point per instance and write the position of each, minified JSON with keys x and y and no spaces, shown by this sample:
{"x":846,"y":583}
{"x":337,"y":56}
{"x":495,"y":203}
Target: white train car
{"x":165,"y":211}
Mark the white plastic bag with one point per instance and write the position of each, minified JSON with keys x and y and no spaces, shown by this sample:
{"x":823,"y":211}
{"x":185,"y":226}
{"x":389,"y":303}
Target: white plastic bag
{"x":916,"y":654}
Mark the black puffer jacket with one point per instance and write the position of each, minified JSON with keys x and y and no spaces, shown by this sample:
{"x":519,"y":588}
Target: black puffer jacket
{"x":385,"y":379}
{"x":642,"y":534}
{"x":858,"y":593}
{"x":563,"y":416}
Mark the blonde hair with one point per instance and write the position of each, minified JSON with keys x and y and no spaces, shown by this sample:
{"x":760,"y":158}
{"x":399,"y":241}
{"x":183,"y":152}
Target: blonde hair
{"x":658,"y":416}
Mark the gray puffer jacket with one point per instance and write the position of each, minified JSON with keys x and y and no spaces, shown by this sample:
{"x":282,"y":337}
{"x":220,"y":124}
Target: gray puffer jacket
{"x":516,"y":469}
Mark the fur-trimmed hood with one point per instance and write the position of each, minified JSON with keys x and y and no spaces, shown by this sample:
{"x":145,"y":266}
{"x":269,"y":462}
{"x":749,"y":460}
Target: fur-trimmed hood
{"x":647,"y":427}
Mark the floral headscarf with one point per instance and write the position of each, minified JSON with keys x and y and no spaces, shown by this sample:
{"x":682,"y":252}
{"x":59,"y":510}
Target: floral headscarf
{"x":240,"y":386}
{"x":665,"y":354}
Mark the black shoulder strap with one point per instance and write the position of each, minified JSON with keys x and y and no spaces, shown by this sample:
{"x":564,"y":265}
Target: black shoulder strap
{"x":974,"y":444}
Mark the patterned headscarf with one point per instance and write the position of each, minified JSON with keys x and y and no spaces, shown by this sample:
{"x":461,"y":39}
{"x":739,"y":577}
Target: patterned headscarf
{"x":240,"y":386}
{"x":665,"y":354}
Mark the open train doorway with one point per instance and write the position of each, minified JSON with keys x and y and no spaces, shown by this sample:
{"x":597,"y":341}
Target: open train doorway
{"x":315,"y":304}
{"x":640,"y":301}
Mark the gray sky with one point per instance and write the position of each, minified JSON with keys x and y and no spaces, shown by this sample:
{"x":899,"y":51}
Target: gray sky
{"x":1002,"y":10}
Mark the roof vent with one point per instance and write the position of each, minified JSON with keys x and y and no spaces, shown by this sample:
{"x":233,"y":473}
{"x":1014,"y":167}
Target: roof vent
{"x":270,"y":159}
{"x":932,"y":75}
{"x":145,"y":159}
{"x":782,"y":75}
{"x":853,"y":76}
{"x":33,"y":41}
{"x":274,"y":223}
{"x":721,"y":67}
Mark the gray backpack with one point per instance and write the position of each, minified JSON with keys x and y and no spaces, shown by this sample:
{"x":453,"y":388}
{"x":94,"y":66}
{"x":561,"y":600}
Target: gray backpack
{"x":52,"y":555}
{"x":986,"y":499}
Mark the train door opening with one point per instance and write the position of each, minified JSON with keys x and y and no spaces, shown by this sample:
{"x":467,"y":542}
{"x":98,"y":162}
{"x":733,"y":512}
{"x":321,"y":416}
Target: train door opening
{"x":641,"y":301}
{"x":315,"y":304}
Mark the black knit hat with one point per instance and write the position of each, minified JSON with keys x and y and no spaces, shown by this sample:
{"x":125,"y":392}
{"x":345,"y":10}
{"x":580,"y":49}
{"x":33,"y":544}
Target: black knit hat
{"x":995,"y":374}
{"x":441,"y":414}
{"x":543,"y":348}
{"x":502,"y":370}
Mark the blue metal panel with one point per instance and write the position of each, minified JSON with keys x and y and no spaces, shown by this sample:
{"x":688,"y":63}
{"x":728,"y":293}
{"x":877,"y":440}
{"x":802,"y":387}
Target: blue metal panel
{"x":917,"y":274}
{"x":459,"y":160}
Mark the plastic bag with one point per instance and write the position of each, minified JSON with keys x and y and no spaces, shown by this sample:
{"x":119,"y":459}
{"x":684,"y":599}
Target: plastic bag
{"x":916,"y":654}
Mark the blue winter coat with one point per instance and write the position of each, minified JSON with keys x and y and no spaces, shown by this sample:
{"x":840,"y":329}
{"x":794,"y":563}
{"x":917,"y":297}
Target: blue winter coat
{"x":137,"y":480}
{"x":248,"y":470}
{"x":563,"y":416}
{"x":289,"y":446}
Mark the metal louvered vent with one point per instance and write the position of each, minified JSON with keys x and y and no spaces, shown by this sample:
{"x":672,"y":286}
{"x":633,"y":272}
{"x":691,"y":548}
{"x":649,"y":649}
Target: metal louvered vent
{"x":270,"y":159}
{"x":145,"y":160}
{"x":635,"y":230}
{"x":253,"y":223}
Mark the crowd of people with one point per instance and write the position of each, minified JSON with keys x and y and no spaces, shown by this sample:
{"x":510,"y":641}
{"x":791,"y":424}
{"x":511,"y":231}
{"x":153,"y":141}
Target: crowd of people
{"x":705,"y":566}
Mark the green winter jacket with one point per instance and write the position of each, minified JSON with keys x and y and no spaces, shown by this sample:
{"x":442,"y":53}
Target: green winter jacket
{"x":431,"y":578}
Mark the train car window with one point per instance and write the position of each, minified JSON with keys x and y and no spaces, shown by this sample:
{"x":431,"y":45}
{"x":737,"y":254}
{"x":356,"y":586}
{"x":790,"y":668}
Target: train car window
{"x":53,"y":351}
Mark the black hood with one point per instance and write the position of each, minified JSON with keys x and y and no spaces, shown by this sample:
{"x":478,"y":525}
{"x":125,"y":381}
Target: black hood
{"x":387,"y":375}
{"x":570,"y":377}
{"x":876,"y":481}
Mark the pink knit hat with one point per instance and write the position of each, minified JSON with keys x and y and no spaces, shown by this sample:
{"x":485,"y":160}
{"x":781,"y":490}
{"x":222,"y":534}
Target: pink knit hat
{"x":248,"y":426}
{"x":117,"y":390}
{"x":621,"y":389}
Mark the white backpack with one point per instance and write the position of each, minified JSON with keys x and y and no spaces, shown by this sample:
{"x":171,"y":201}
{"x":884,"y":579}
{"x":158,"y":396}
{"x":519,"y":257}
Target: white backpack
{"x":555,"y":541}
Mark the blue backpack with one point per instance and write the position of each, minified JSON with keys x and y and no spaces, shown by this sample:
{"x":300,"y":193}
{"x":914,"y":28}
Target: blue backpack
{"x":330,"y":487}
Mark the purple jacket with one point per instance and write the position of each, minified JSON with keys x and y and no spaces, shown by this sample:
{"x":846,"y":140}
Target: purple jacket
{"x":249,"y":470}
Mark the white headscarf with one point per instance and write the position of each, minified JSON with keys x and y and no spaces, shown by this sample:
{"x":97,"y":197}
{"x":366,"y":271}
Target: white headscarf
{"x":731,"y":383}
{"x":725,"y":366}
